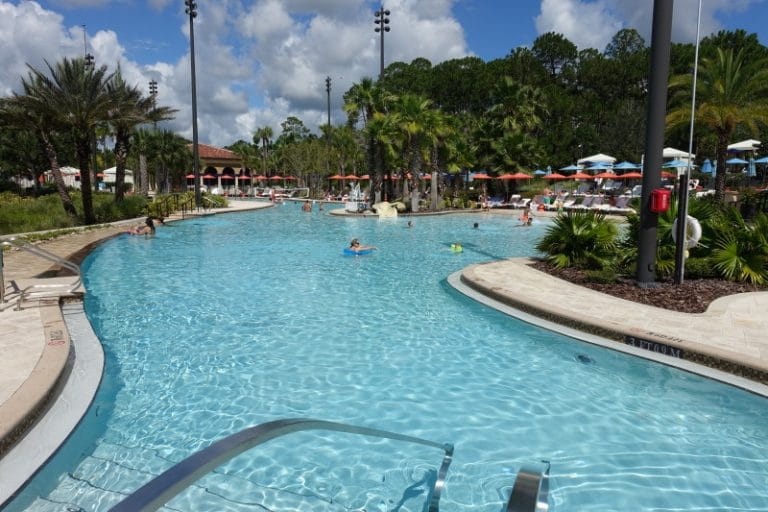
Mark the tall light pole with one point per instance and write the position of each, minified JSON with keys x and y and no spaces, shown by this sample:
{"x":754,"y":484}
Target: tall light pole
{"x":682,"y":202}
{"x":89,"y":63}
{"x":328,"y":133}
{"x":661,"y":42}
{"x":153,"y":95}
{"x":192,"y":12}
{"x":382,"y":25}
{"x":86,"y":56}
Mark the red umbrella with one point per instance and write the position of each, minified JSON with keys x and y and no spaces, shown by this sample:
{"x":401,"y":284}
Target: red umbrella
{"x":351,"y":177}
{"x":190,"y":176}
{"x":227,"y":177}
{"x":631,"y":176}
{"x":336,"y":177}
{"x":365,"y":177}
{"x":209,"y":177}
{"x":481,"y":176}
{"x":275,"y":178}
{"x":665,"y":174}
{"x":244,"y":177}
{"x":516,"y":176}
{"x":555,"y":176}
{"x":580,"y":176}
{"x":261,"y":177}
{"x":289,"y":178}
{"x":604,"y":176}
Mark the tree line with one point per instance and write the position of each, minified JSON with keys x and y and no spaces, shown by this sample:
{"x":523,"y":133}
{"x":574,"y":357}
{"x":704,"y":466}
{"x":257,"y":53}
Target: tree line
{"x":538,"y":107}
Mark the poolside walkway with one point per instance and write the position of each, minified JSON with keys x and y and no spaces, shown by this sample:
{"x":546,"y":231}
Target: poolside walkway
{"x":731,"y":336}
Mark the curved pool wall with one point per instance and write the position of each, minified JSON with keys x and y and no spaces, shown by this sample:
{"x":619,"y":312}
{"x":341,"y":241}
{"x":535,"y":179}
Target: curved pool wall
{"x":225,"y":322}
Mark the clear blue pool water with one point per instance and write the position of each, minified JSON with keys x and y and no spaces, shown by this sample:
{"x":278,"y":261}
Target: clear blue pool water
{"x":225,"y":322}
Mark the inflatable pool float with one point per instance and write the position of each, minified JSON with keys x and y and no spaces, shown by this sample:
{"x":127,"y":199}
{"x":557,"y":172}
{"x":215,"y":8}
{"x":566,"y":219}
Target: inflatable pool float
{"x":352,"y":252}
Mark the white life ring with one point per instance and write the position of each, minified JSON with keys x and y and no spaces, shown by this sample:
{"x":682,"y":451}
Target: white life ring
{"x":692,"y":231}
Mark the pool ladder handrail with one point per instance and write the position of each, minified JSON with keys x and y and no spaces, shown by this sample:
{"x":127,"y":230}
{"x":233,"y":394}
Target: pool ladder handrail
{"x":42,"y":290}
{"x":161,"y":489}
{"x":530,"y":492}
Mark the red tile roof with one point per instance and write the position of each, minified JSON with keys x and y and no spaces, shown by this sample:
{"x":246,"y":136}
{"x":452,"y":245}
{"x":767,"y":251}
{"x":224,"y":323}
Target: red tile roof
{"x":213,"y":153}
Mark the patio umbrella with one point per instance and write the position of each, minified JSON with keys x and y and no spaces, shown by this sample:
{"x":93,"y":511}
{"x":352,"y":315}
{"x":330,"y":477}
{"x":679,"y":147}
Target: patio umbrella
{"x":736,"y":161}
{"x":290,"y":178}
{"x":480,"y":176}
{"x":571,"y":168}
{"x":677,"y":163}
{"x":336,"y":177}
{"x":261,"y":177}
{"x":555,"y":176}
{"x":604,"y":176}
{"x":516,"y":176}
{"x":706,"y":167}
{"x":351,"y":177}
{"x":580,"y":176}
{"x":365,"y":177}
{"x":227,"y":177}
{"x":209,"y":176}
{"x":539,"y":172}
{"x":666,"y":174}
{"x":630,"y":176}
{"x":276,"y":178}
{"x":190,"y":176}
{"x":626,"y":165}
{"x":601,"y":166}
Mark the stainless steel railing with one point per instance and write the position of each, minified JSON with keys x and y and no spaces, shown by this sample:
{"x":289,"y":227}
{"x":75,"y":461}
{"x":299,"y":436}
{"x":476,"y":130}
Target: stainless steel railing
{"x":158,"y":491}
{"x":43,"y":290}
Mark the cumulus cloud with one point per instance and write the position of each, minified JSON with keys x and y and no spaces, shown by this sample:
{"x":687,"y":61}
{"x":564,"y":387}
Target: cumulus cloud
{"x":592,"y":23}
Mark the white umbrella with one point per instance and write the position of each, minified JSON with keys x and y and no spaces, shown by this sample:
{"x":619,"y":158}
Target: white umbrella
{"x":744,"y":145}
{"x":595,"y":159}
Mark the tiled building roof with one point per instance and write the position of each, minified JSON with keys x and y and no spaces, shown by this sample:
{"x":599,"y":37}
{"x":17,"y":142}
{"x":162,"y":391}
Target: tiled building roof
{"x":213,"y":153}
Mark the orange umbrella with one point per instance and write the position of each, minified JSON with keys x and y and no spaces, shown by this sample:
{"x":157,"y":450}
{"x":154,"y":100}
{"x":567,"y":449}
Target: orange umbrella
{"x":290,"y":178}
{"x":665,"y":174}
{"x":190,"y":176}
{"x":261,"y":177}
{"x":580,"y":176}
{"x":481,"y":176}
{"x":275,"y":178}
{"x":365,"y":177}
{"x":604,"y":176}
{"x":631,"y":176}
{"x":516,"y":176}
{"x":227,"y":177}
{"x":555,"y":176}
{"x":351,"y":177}
{"x":336,"y":177}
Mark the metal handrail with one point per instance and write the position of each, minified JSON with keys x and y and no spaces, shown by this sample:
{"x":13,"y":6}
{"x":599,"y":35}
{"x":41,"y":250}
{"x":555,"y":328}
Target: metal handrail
{"x":158,"y":491}
{"x":43,"y":288}
{"x":531,"y":490}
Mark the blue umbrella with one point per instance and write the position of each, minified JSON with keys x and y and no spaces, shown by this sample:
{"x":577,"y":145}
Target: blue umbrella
{"x":763,"y":160}
{"x":677,"y":163}
{"x":706,"y":167}
{"x":736,"y":161}
{"x":601,"y":166}
{"x":539,"y":172}
{"x":626,"y":165}
{"x":571,"y":168}
{"x":751,"y":171}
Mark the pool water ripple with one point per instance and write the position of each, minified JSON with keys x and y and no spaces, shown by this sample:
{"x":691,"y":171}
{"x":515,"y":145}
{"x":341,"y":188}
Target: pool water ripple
{"x":221,"y":323}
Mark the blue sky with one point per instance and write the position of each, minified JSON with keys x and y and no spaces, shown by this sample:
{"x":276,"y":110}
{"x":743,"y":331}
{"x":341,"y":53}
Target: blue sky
{"x":260,"y":61}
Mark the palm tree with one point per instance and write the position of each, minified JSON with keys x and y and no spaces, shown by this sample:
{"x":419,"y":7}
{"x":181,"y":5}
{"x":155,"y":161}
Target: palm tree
{"x":730,"y":92}
{"x":263,"y":137}
{"x":27,"y":112}
{"x":128,"y":110}
{"x":75,"y":96}
{"x":141,"y":143}
{"x":169,"y":151}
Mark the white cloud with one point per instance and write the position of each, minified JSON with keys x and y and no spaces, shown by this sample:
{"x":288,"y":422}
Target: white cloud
{"x":585,"y":24}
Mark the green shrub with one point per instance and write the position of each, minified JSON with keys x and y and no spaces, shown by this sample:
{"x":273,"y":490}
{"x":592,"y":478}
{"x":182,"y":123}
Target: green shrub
{"x":700,"y":268}
{"x":602,"y":276}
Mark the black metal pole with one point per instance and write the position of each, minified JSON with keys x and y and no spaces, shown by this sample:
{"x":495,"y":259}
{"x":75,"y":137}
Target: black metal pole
{"x":191,"y":6}
{"x":382,"y":23}
{"x":328,"y":133}
{"x":654,"y":139}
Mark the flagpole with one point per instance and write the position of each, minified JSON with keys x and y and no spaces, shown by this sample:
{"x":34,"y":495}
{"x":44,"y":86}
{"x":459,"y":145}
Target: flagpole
{"x":682,"y":204}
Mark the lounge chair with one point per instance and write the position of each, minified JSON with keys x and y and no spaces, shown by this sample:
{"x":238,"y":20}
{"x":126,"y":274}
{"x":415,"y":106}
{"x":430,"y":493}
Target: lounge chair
{"x":585,"y":203}
{"x":521,"y":203}
{"x":621,"y":205}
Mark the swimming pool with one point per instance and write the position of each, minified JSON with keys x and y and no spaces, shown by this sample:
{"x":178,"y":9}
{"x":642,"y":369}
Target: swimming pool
{"x":225,"y":322}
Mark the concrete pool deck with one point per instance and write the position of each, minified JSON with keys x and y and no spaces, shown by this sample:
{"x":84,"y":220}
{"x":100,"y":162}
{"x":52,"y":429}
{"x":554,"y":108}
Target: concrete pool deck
{"x":731,"y":336}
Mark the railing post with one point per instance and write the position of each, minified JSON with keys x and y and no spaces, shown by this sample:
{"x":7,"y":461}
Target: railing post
{"x":2,"y":279}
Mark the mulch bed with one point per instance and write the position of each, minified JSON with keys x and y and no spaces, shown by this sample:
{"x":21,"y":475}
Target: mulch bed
{"x":692,"y":296}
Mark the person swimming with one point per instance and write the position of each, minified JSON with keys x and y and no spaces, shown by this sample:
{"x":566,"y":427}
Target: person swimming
{"x":355,"y":246}
{"x":147,"y":229}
